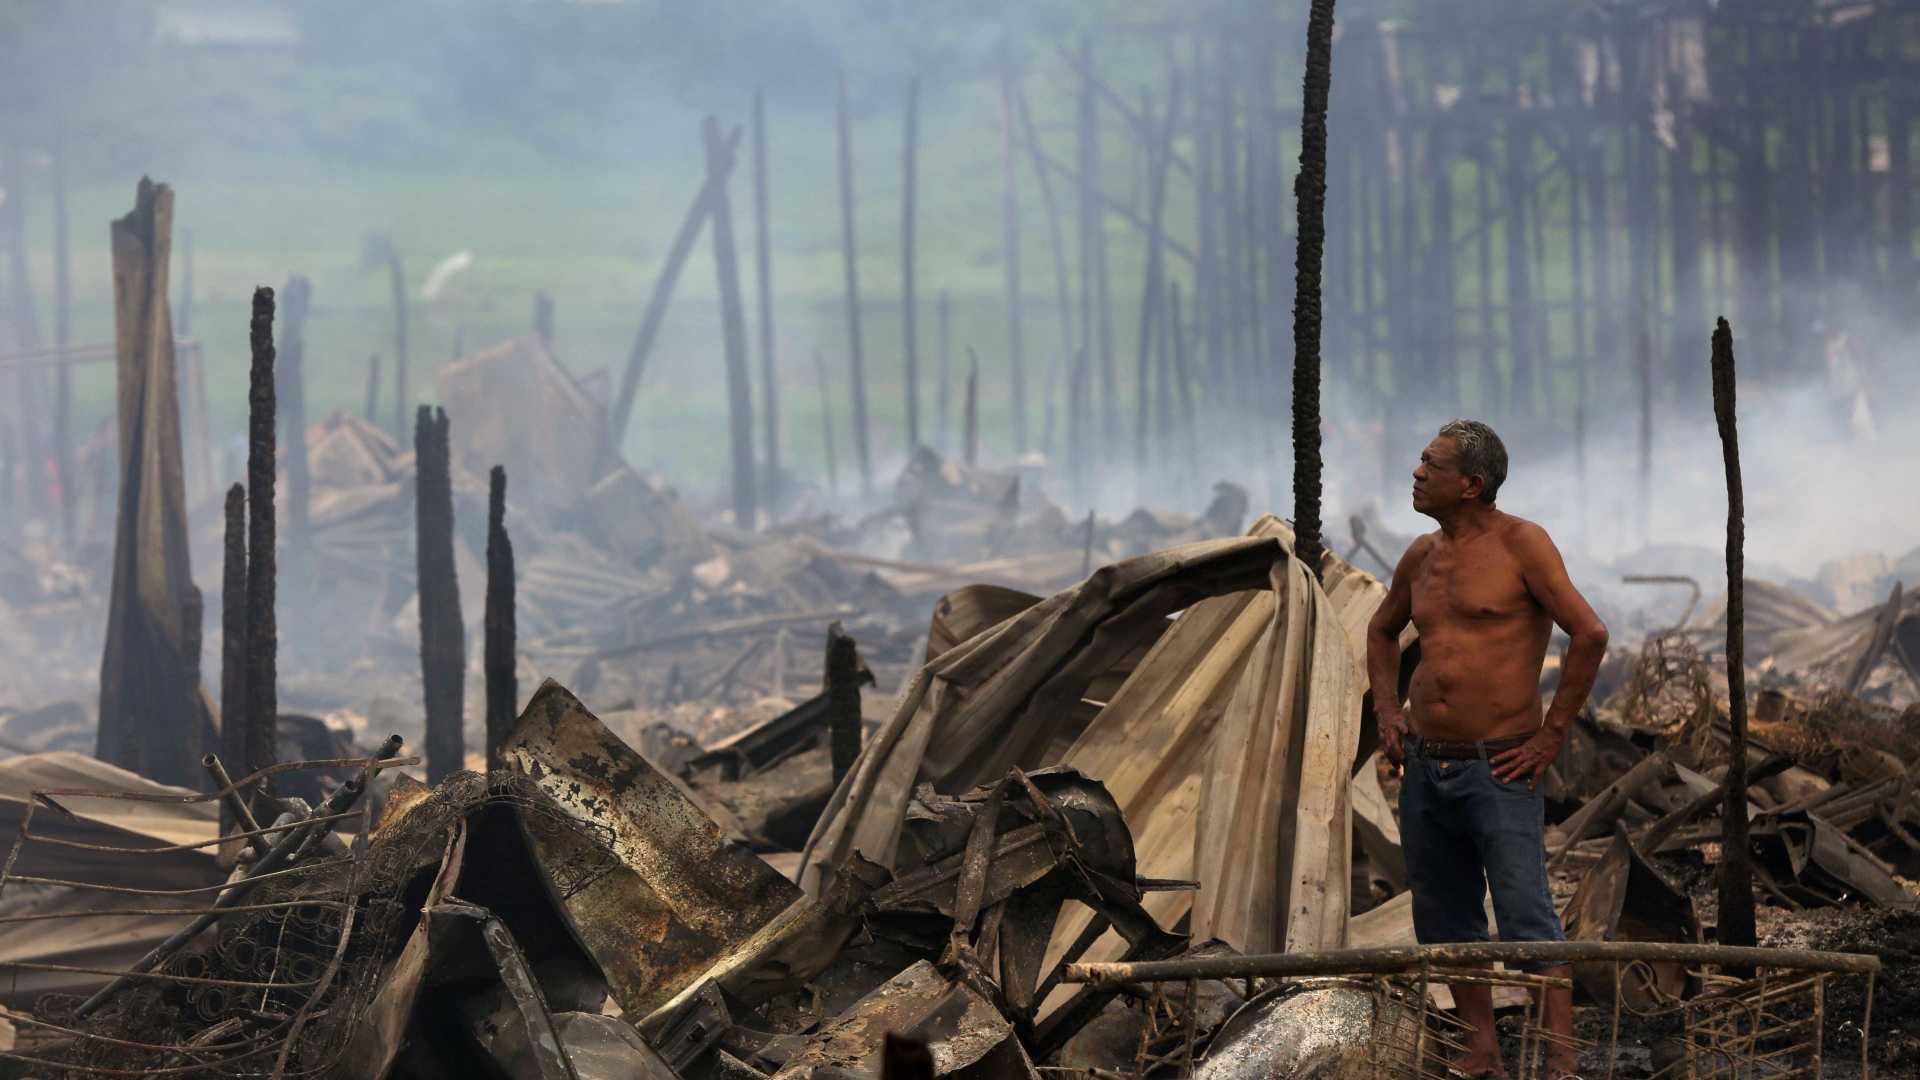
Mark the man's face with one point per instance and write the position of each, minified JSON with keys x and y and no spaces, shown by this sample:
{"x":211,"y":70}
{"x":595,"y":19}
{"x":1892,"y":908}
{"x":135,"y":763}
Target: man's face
{"x":1438,"y":484}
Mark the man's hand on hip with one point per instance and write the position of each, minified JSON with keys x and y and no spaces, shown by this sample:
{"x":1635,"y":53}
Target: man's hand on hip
{"x":1530,"y":760}
{"x":1393,"y":732}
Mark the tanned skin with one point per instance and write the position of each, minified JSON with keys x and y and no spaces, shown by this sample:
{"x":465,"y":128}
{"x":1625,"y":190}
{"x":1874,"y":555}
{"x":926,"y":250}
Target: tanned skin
{"x":1484,"y":592}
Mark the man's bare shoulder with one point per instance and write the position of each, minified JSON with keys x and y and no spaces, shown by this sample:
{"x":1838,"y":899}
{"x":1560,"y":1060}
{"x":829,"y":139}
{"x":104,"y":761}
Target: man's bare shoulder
{"x":1520,"y":535}
{"x":1421,"y":547}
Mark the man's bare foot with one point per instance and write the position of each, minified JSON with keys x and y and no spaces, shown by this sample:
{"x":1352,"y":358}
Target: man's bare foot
{"x":1563,"y":1064}
{"x":1482,"y":1064}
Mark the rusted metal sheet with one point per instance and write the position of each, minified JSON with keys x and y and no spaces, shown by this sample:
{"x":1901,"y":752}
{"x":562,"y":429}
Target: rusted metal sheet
{"x":375,"y":1042}
{"x":991,"y":703}
{"x":1625,"y":898}
{"x":967,"y":1036}
{"x":684,"y":895}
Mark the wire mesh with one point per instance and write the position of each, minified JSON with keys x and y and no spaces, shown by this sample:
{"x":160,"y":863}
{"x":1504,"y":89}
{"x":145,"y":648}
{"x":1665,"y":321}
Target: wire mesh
{"x":278,"y":985}
{"x":1769,"y":1026}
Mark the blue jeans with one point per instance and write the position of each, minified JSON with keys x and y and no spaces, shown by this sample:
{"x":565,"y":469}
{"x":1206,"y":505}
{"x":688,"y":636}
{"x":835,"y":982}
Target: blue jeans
{"x":1465,"y":831}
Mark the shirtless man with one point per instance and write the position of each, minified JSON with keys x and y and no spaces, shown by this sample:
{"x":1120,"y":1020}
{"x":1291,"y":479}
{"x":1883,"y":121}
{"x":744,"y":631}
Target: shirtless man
{"x":1484,"y":592}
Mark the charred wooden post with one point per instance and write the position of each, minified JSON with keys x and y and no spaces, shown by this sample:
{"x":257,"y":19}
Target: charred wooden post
{"x":1517,"y":144}
{"x":1182,"y":378}
{"x":150,"y":706}
{"x":503,"y":689}
{"x":1056,"y":239}
{"x":1206,"y":291}
{"x":1153,"y":289}
{"x":843,"y":678}
{"x":1736,"y":867}
{"x":856,"y":364}
{"x":443,"y":636}
{"x":291,"y":375}
{"x":826,"y":420}
{"x":263,"y":706}
{"x":397,"y":284}
{"x":234,"y":729}
{"x":1096,"y":302}
{"x":63,"y":333}
{"x":1643,"y":372}
{"x":763,"y":288}
{"x":1310,"y":192}
{"x":26,"y":325}
{"x":909,"y":306}
{"x":943,"y":374}
{"x":1010,"y":259}
{"x":371,"y":411}
{"x":657,"y":303}
{"x":733,"y":325}
{"x":1086,"y":548}
{"x":972,"y":420}
{"x":543,"y":319}
{"x":184,"y":326}
{"x":1493,"y":389}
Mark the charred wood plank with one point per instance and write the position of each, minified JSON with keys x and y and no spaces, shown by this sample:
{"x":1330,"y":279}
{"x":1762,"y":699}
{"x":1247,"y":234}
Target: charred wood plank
{"x":503,"y":688}
{"x":763,"y":288}
{"x":733,"y":328}
{"x":844,"y":673}
{"x":443,"y":635}
{"x":850,"y":263}
{"x":909,"y":305}
{"x":657,"y":302}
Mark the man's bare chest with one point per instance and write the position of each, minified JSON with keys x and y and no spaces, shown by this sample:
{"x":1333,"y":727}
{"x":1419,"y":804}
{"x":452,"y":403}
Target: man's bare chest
{"x":1471,"y":583}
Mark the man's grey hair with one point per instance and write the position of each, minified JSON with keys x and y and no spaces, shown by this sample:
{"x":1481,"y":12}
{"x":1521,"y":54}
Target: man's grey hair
{"x":1480,"y":453}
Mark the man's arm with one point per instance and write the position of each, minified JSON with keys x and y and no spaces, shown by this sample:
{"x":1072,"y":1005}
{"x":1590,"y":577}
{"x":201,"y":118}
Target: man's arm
{"x":1545,"y":575}
{"x":1383,"y":650}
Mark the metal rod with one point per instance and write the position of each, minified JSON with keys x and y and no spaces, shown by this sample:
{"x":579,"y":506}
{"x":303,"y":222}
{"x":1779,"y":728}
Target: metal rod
{"x":230,"y":799}
{"x":270,"y":862}
{"x":1400,"y":957}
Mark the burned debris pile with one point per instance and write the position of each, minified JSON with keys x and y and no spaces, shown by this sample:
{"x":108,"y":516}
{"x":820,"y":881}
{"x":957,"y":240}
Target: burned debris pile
{"x":1162,"y":762}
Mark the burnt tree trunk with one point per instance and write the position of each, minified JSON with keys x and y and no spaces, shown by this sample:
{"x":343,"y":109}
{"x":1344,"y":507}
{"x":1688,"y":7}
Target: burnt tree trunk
{"x":63,"y":336}
{"x":543,"y":319}
{"x":1736,"y":868}
{"x":972,"y":419}
{"x":150,"y":707}
{"x":1153,"y":289}
{"x":292,"y":394}
{"x":443,"y":635}
{"x":26,"y":326}
{"x":234,"y":730}
{"x":1062,"y":288}
{"x":1310,"y":193}
{"x":1010,"y":254}
{"x":943,"y":374}
{"x":263,"y":642}
{"x":657,"y":302}
{"x":503,"y":688}
{"x":763,"y":288}
{"x":826,"y":420}
{"x":734,"y":331}
{"x":849,"y":255}
{"x":843,"y":678}
{"x":909,"y":304}
{"x":1517,"y":143}
{"x":1182,"y":378}
{"x":397,"y":284}
{"x":371,"y":411}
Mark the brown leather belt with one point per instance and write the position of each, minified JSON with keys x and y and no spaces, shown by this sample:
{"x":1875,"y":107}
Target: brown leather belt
{"x":1461,"y":749}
